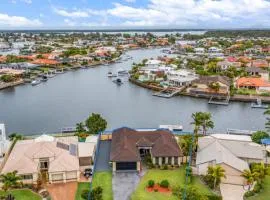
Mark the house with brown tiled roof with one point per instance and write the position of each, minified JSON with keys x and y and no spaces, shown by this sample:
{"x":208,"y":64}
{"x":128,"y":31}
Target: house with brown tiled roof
{"x":129,"y":147}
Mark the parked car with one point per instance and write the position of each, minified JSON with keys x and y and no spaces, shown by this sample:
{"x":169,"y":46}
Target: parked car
{"x":87,"y":172}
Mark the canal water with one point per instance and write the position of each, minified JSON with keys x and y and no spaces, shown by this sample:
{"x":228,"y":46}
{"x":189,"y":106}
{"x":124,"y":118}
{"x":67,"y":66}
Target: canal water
{"x":69,"y":98}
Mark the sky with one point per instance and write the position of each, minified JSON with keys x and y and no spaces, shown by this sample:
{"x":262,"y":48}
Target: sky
{"x":92,"y":14}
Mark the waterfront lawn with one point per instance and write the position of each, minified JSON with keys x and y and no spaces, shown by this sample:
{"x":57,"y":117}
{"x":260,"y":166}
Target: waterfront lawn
{"x":81,"y":187}
{"x":22,"y":194}
{"x":175,"y":177}
{"x":104,"y":180}
{"x":246,"y":92}
{"x":265,"y":193}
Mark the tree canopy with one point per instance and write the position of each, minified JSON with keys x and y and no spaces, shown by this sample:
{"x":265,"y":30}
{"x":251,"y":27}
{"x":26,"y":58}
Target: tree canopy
{"x":95,"y":123}
{"x":257,"y":136}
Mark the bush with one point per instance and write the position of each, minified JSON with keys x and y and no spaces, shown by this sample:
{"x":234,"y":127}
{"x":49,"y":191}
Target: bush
{"x":213,"y":197}
{"x":155,"y":190}
{"x":164,"y":184}
{"x":84,"y":194}
{"x":165,"y":167}
{"x":151,"y":183}
{"x":177,"y":191}
{"x":257,"y":188}
{"x":249,"y":194}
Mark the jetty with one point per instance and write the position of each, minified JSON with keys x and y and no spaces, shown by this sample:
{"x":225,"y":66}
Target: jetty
{"x":169,"y":92}
{"x":219,"y":100}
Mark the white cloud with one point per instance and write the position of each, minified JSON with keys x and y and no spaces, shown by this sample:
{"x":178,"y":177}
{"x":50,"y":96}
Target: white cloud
{"x":69,"y":22}
{"x":195,"y":12}
{"x":73,"y":14}
{"x":130,"y":1}
{"x":18,"y":21}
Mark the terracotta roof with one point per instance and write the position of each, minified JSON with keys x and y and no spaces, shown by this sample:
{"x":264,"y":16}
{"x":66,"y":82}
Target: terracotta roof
{"x":45,"y":62}
{"x":125,"y":142}
{"x":250,"y":81}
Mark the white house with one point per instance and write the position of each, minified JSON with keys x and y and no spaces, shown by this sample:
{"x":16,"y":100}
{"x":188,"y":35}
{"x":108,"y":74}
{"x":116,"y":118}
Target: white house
{"x":181,"y":77}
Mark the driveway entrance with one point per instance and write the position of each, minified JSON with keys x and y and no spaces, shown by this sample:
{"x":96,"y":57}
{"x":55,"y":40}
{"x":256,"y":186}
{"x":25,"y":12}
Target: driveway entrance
{"x":103,"y":157}
{"x":60,"y":191}
{"x":124,"y":183}
{"x":232,"y":192}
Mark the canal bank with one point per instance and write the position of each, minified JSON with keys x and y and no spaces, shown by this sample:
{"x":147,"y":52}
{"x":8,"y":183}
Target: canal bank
{"x":236,"y":98}
{"x":72,"y":96}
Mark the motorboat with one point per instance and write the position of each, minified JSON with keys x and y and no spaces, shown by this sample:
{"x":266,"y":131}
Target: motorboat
{"x":109,"y":74}
{"x":259,"y":104}
{"x":172,"y":127}
{"x":35,"y":82}
{"x":122,"y":72}
{"x":44,"y":78}
{"x":118,"y":81}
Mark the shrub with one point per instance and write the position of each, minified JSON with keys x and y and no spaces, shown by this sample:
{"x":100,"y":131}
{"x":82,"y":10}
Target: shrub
{"x":165,"y":167}
{"x":84,"y":194}
{"x":151,"y":183}
{"x":213,"y":197}
{"x":257,"y":188}
{"x":177,"y":191}
{"x":249,"y":194}
{"x":164,"y":183}
{"x":155,"y":190}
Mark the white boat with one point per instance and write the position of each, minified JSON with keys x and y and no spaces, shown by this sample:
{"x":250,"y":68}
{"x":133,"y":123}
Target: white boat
{"x":122,"y":72}
{"x":172,"y":127}
{"x":259,"y":104}
{"x":59,"y":72}
{"x":35,"y":82}
{"x":109,"y":74}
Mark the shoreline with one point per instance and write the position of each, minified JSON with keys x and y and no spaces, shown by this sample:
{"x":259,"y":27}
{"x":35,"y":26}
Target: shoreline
{"x":235,"y":98}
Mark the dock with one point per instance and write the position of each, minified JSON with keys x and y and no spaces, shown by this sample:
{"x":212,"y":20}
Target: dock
{"x":217,"y":100}
{"x":240,"y":132}
{"x":169,"y":92}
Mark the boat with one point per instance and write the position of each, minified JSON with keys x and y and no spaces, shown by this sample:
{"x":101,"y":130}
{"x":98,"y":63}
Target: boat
{"x":35,"y":82}
{"x":118,"y":81}
{"x":59,"y":72}
{"x":258,"y":104}
{"x":172,"y":127}
{"x":44,"y":78}
{"x":109,"y":74}
{"x":122,"y":72}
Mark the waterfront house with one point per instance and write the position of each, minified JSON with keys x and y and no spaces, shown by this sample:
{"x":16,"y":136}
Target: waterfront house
{"x":182,"y":77}
{"x":130,"y":146}
{"x":153,"y":63}
{"x":258,"y":72}
{"x":56,"y":157}
{"x":233,"y":153}
{"x":201,"y":86}
{"x":256,"y":83}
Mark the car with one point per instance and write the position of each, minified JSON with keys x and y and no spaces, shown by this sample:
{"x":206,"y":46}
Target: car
{"x":88,"y":172}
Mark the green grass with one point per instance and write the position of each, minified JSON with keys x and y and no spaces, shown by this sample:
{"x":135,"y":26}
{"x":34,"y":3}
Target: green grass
{"x":175,"y":177}
{"x":23,"y":194}
{"x":81,"y":187}
{"x":104,"y":180}
{"x":265,"y":193}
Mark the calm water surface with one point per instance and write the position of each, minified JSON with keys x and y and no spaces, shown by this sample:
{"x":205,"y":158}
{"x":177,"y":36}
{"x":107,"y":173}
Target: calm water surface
{"x":69,"y":98}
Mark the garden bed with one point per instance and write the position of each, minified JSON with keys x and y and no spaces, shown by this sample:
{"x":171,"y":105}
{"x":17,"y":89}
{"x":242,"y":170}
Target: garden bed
{"x":158,"y":188}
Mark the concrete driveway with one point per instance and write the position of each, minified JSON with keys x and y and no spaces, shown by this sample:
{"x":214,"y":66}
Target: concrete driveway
{"x":123,"y":184}
{"x":60,"y":191}
{"x":103,"y":157}
{"x":232,"y":192}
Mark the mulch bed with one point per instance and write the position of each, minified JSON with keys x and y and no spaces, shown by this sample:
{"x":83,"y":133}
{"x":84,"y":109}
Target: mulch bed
{"x":159,"y":189}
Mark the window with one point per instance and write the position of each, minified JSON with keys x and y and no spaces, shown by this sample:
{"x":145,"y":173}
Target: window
{"x":163,"y":160}
{"x":44,"y":163}
{"x":27,"y":176}
{"x":170,"y":160}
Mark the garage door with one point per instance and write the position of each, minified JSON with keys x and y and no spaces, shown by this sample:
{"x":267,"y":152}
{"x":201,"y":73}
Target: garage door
{"x":57,"y":177}
{"x":71,"y":175}
{"x":126,"y":166}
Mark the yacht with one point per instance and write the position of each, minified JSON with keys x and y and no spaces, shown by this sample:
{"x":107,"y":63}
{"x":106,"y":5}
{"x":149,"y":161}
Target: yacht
{"x":122,"y":72}
{"x":44,"y":78}
{"x":35,"y":82}
{"x":259,"y":104}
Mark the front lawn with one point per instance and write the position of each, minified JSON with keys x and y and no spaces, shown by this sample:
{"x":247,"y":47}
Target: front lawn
{"x":175,"y":177}
{"x":81,"y":187}
{"x":265,"y":193}
{"x":104,"y":180}
{"x":22,"y":194}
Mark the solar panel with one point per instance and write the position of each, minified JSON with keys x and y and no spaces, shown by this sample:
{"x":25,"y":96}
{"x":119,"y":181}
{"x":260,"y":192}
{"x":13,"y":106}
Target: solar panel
{"x":62,"y":145}
{"x":73,"y":149}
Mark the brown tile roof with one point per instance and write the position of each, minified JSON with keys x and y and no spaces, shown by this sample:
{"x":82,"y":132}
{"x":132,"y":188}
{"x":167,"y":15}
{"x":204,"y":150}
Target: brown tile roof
{"x":125,"y":142}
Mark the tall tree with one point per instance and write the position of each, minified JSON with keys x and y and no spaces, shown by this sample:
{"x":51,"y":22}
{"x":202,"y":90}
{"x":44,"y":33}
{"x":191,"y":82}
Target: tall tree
{"x":95,"y":123}
{"x":80,"y":127}
{"x":261,"y":170}
{"x":10,"y":180}
{"x":202,"y":120}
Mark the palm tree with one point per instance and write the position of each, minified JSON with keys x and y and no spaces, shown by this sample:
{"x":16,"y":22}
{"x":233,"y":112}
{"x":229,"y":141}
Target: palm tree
{"x":216,"y":172}
{"x":261,"y":170}
{"x":80,"y":127}
{"x":202,"y":120}
{"x":250,"y":177}
{"x":10,"y":180}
